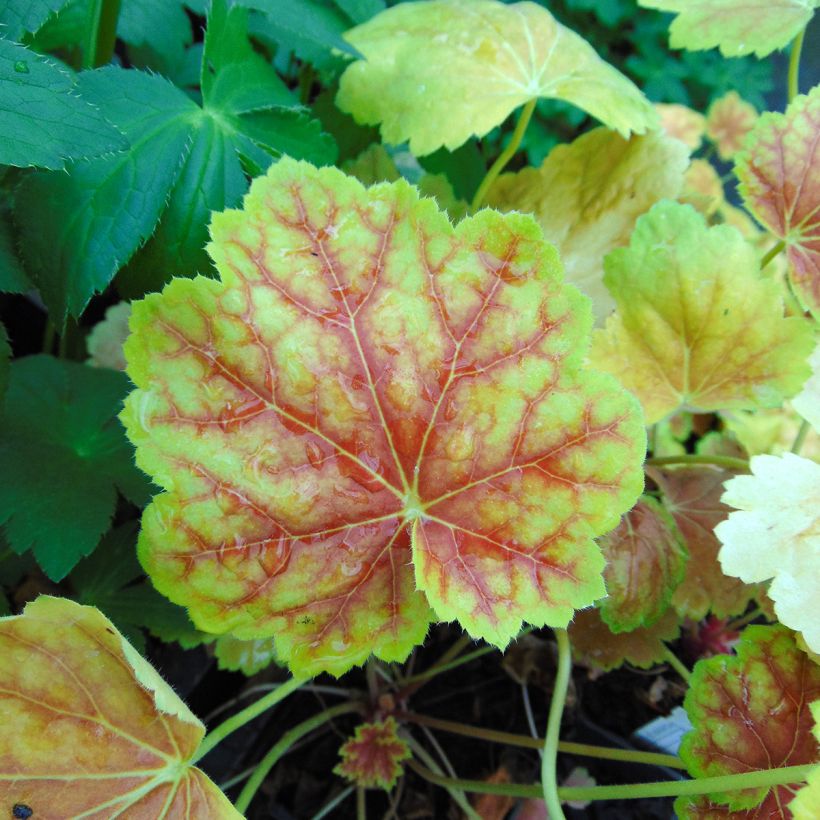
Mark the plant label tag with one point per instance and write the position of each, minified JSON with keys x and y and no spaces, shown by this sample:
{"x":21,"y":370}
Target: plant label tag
{"x":665,"y":733}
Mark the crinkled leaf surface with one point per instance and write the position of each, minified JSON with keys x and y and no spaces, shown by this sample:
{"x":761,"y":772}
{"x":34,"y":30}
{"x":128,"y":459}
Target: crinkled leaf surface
{"x":807,"y":401}
{"x":646,"y":560}
{"x":751,"y":712}
{"x":776,"y":534}
{"x":728,"y":121}
{"x":806,"y":806}
{"x":588,"y":195}
{"x":697,"y":326}
{"x":692,"y":495}
{"x":89,"y":728}
{"x":439,"y":71}
{"x":184,"y":162}
{"x":779,"y":175}
{"x":737,"y":27}
{"x":682,"y":123}
{"x":595,"y":645}
{"x":365,"y":372}
{"x":65,"y":453}
{"x":372,"y":758}
{"x":773,"y":807}
{"x":45,"y":119}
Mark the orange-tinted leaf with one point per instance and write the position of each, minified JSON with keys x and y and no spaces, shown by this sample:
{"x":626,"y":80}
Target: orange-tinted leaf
{"x":89,"y":729}
{"x":594,"y":644}
{"x":372,"y":758}
{"x":646,"y":560}
{"x":692,"y":495}
{"x":494,"y":806}
{"x":779,"y":175}
{"x":682,"y":123}
{"x":372,"y":414}
{"x":750,"y":712}
{"x":728,"y":121}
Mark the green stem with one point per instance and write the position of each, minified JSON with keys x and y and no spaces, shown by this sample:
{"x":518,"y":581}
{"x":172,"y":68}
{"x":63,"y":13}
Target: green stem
{"x":361,"y":804}
{"x":332,"y":804}
{"x":549,"y":760}
{"x":673,"y":660}
{"x":238,"y":720}
{"x":505,"y":156}
{"x":801,"y":437}
{"x":739,"y":623}
{"x":727,"y":462}
{"x":633,"y":791}
{"x":287,"y":740}
{"x":455,"y":791}
{"x":771,"y":253}
{"x":526,"y":742}
{"x":49,"y":334}
{"x":794,"y":65}
{"x":413,"y":683}
{"x":101,"y":32}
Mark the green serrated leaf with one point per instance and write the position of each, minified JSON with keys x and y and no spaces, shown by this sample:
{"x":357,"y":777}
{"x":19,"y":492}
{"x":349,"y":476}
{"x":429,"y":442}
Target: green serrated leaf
{"x":5,"y":361}
{"x":360,"y":10}
{"x":12,"y":276}
{"x":63,"y":30}
{"x":307,"y":27}
{"x":66,"y":451}
{"x":160,"y":27}
{"x":20,"y":16}
{"x":44,"y":121}
{"x":100,"y":212}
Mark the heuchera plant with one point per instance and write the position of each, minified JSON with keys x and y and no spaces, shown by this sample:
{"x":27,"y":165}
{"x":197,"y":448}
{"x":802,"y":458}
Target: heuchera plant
{"x":370,"y":406}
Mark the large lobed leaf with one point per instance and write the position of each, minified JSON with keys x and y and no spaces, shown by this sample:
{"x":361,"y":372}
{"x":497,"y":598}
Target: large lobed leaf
{"x":779,"y":175}
{"x":588,"y":195}
{"x":371,"y":414}
{"x":750,"y":712}
{"x":697,"y":326}
{"x":439,"y":71}
{"x":737,"y":27}
{"x":775,"y":534}
{"x":89,"y":728}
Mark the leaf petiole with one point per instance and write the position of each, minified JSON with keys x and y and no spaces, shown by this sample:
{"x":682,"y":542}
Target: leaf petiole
{"x":549,"y":760}
{"x":727,"y":462}
{"x":794,"y":65}
{"x":675,"y":662}
{"x":101,"y":32}
{"x":505,"y":156}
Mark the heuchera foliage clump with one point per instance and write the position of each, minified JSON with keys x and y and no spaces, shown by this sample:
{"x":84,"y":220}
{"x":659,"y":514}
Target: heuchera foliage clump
{"x":380,"y":383}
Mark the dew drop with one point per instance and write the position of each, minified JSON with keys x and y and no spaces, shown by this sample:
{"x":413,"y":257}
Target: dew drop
{"x":21,"y":67}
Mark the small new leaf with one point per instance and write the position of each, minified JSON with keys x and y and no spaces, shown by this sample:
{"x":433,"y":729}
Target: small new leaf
{"x":588,"y":195}
{"x":372,"y":758}
{"x":373,"y":413}
{"x":750,"y":712}
{"x":646,"y":560}
{"x":65,"y":453}
{"x":736,"y":27}
{"x":89,"y":728}
{"x":697,"y":326}
{"x":45,"y":120}
{"x":439,"y":71}
{"x":779,"y":173}
{"x":776,"y":535}
{"x":728,"y":121}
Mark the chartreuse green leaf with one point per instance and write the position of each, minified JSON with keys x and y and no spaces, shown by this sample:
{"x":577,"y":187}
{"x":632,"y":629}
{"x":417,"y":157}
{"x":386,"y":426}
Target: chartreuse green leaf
{"x":185,"y":161}
{"x":692,"y":496}
{"x":697,"y":325}
{"x":248,"y":657}
{"x":62,"y":443}
{"x":107,"y":337}
{"x":45,"y":118}
{"x":779,"y":173}
{"x":806,"y":805}
{"x":646,"y":560}
{"x":372,"y":758}
{"x":374,"y":413}
{"x":776,"y":535}
{"x":438,"y":71}
{"x":89,"y":728}
{"x":736,"y":27}
{"x":750,"y":712}
{"x":587,"y":196}
{"x":595,"y":645}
